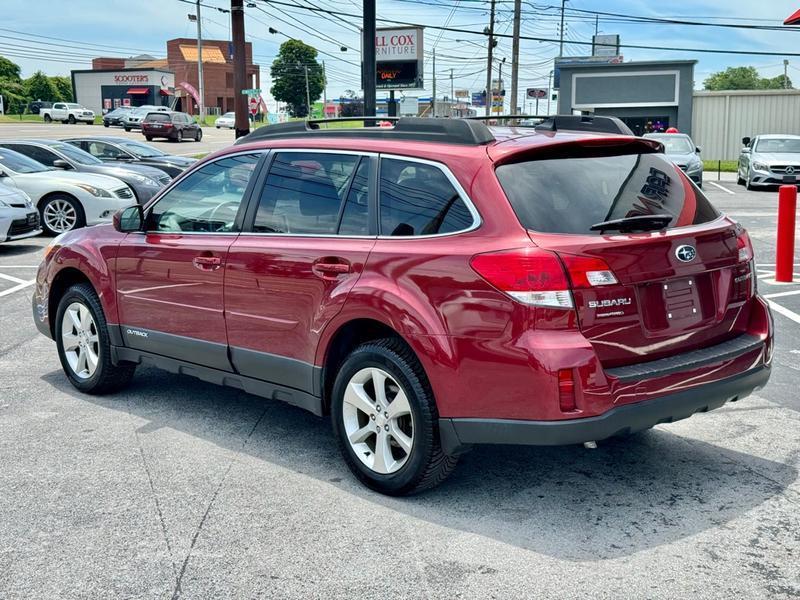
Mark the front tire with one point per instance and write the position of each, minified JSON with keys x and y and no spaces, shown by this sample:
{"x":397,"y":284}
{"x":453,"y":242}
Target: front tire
{"x":199,"y":135}
{"x":179,"y":136}
{"x":385,"y":420}
{"x":60,"y":213}
{"x":84,"y":346}
{"x":149,"y":138}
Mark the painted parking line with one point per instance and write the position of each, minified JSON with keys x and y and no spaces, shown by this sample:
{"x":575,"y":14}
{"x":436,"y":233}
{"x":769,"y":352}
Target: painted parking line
{"x":16,"y":288}
{"x":11,"y":278}
{"x":723,"y":188}
{"x":781,"y":310}
{"x":782,"y":294}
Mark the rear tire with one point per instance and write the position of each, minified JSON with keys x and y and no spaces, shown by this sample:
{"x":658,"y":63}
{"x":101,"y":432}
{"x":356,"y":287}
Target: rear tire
{"x":84,"y":344}
{"x":105,"y":124}
{"x":127,"y":128}
{"x":179,"y":136}
{"x":48,"y":119}
{"x":403,"y":454}
{"x":149,"y":138}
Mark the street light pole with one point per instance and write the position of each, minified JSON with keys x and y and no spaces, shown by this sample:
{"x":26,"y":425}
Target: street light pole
{"x":201,"y":105}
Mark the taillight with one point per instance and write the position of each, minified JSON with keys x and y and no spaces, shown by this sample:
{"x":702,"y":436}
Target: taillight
{"x":744,"y":247}
{"x":529,"y":275}
{"x":566,"y":391}
{"x":587,"y":271}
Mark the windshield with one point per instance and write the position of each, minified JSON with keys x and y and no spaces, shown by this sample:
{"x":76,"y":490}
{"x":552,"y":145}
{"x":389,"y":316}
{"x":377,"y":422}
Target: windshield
{"x":141,"y":150}
{"x":229,"y":115}
{"x":675,"y":144}
{"x":779,"y":145}
{"x":76,"y":154}
{"x":19,"y":163}
{"x":569,"y":195}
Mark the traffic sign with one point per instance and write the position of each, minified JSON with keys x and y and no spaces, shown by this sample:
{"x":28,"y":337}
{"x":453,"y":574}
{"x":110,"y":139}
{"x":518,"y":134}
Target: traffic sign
{"x":252,"y":92}
{"x":253,"y":105}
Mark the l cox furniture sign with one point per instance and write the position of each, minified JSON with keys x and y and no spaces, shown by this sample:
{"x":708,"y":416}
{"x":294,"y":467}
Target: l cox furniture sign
{"x":399,"y":58}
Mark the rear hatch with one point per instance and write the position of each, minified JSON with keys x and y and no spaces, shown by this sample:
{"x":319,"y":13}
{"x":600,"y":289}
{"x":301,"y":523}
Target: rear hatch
{"x":673,"y":286}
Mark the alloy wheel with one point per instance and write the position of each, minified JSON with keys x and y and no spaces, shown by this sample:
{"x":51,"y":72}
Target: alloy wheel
{"x":80,"y":340}
{"x":378,"y":420}
{"x":60,"y":215}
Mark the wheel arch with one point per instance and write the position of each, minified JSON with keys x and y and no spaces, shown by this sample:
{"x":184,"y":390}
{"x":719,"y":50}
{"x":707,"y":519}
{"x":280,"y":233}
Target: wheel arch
{"x":54,"y":193}
{"x":63,"y":280}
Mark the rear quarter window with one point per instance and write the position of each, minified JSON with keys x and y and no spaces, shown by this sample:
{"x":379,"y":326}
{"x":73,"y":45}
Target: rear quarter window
{"x":569,"y":195}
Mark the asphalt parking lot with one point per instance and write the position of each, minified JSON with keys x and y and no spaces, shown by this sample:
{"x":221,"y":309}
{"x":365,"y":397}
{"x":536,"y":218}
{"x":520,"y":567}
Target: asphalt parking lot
{"x":175,"y":488}
{"x":213,"y":139}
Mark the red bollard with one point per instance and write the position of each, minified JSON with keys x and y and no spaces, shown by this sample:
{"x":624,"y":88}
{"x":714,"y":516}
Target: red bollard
{"x":784,"y":256}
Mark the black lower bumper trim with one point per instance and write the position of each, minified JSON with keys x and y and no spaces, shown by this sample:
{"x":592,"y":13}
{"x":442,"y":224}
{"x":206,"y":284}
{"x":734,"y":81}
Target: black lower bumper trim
{"x":458,"y":433}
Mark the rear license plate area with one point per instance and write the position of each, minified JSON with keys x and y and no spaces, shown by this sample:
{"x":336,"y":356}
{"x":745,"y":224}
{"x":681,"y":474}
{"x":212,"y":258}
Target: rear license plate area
{"x":677,"y":303}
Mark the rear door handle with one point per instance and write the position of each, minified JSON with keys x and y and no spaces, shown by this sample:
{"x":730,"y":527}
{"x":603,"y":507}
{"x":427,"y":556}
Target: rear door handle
{"x":331,"y":269}
{"x":207,"y":263}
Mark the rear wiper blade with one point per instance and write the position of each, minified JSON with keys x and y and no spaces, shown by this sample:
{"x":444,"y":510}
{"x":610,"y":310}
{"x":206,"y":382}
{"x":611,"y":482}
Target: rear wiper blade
{"x":639,"y":223}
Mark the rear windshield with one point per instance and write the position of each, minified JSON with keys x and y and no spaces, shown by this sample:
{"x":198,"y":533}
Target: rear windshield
{"x":569,"y":195}
{"x":158,"y":117}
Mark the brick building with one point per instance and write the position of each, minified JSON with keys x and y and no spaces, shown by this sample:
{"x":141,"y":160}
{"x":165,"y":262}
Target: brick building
{"x":217,"y":72}
{"x":179,"y":67}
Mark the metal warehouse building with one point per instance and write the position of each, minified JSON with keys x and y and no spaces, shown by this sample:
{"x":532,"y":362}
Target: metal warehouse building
{"x":721,"y":119}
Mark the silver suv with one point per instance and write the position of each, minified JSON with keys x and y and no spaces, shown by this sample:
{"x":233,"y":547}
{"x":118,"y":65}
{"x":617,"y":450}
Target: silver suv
{"x":133,"y":119}
{"x":769,"y":160}
{"x":681,"y":150}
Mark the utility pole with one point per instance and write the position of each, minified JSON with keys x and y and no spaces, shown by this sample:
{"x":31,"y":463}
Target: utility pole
{"x":324,"y":90}
{"x":433,"y":98}
{"x":515,"y":56}
{"x":452,"y":93}
{"x":596,"y":24}
{"x":489,"y":61}
{"x":369,"y":58}
{"x":561,"y":32}
{"x":500,"y":82}
{"x":785,"y":74}
{"x":308,"y":96}
{"x":242,"y":123}
{"x":201,"y":106}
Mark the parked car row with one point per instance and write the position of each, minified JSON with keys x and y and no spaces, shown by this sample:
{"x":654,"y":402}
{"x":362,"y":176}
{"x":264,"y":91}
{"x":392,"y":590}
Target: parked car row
{"x":57,"y":186}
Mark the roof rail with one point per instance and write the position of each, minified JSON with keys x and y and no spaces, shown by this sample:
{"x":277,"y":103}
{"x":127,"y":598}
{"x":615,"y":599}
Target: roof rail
{"x":448,"y":131}
{"x":598,"y":124}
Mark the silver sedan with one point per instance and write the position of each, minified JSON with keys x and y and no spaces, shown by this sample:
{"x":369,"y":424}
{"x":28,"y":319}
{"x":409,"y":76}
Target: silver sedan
{"x":769,"y":160}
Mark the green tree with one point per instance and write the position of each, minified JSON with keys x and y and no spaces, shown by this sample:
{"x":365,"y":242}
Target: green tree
{"x":744,"y":78}
{"x":39,"y":87}
{"x":734,"y":78}
{"x":8,"y":69}
{"x":63,"y":86}
{"x":14,"y":97}
{"x":289,"y":79}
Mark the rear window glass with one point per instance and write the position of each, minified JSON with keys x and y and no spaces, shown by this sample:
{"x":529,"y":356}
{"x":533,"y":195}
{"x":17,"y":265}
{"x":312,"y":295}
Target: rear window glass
{"x":158,"y":117}
{"x":569,"y":195}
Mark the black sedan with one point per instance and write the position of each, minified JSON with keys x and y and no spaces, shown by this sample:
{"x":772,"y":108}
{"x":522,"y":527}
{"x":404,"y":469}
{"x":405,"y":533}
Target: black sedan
{"x":113,"y":149}
{"x":144,"y":180}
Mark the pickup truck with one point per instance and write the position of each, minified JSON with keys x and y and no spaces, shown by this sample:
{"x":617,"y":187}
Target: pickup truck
{"x":67,"y":112}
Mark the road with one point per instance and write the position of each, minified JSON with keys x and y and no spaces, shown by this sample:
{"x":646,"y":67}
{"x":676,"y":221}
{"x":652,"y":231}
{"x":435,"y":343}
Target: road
{"x":179,"y":489}
{"x":213,"y":139}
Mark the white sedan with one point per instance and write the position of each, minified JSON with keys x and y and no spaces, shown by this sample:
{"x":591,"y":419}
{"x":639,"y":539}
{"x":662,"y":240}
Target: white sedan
{"x":65,"y":200}
{"x":18,"y":217}
{"x":227,"y":120}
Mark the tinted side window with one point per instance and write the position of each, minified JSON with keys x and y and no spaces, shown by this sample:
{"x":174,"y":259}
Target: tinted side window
{"x":418,"y":199}
{"x":303,"y":193}
{"x":102,"y":150}
{"x":207,"y":200}
{"x":569,"y":195}
{"x":38,"y":154}
{"x":355,"y":215}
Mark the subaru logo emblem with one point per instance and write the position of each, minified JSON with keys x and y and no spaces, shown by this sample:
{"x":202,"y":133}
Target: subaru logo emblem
{"x":686,"y":253}
{"x":790,"y":170}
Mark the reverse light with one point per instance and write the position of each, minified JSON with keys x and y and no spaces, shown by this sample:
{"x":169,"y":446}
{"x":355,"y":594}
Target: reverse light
{"x":529,"y":275}
{"x":744,"y":247}
{"x":587,"y":272}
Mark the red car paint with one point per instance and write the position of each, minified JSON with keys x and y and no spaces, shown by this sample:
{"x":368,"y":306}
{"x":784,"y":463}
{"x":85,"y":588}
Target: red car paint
{"x":485,"y":354}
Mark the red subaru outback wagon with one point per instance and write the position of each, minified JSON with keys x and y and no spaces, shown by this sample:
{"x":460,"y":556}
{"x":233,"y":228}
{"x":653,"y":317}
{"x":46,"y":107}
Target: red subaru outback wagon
{"x":430,"y":286}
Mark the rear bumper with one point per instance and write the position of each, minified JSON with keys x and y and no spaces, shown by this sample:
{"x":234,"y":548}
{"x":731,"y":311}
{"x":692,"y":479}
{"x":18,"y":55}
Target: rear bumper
{"x":458,"y":434}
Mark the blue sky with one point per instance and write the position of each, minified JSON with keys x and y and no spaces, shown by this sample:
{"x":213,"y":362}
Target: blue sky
{"x":123,"y":28}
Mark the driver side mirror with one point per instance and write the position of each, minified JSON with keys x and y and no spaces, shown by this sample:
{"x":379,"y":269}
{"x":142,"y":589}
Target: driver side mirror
{"x":745,"y":140}
{"x":697,"y":149}
{"x":61,"y":164}
{"x":129,"y":219}
{"x":745,"y":150}
{"x":3,"y":173}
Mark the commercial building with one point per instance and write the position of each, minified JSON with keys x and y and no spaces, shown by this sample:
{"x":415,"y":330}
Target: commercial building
{"x":171,"y":81}
{"x":106,"y":89}
{"x":647,"y":95}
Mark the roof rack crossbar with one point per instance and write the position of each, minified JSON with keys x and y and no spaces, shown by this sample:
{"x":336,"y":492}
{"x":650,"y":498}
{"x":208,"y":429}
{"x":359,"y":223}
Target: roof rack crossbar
{"x":448,"y":131}
{"x":593,"y":123}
